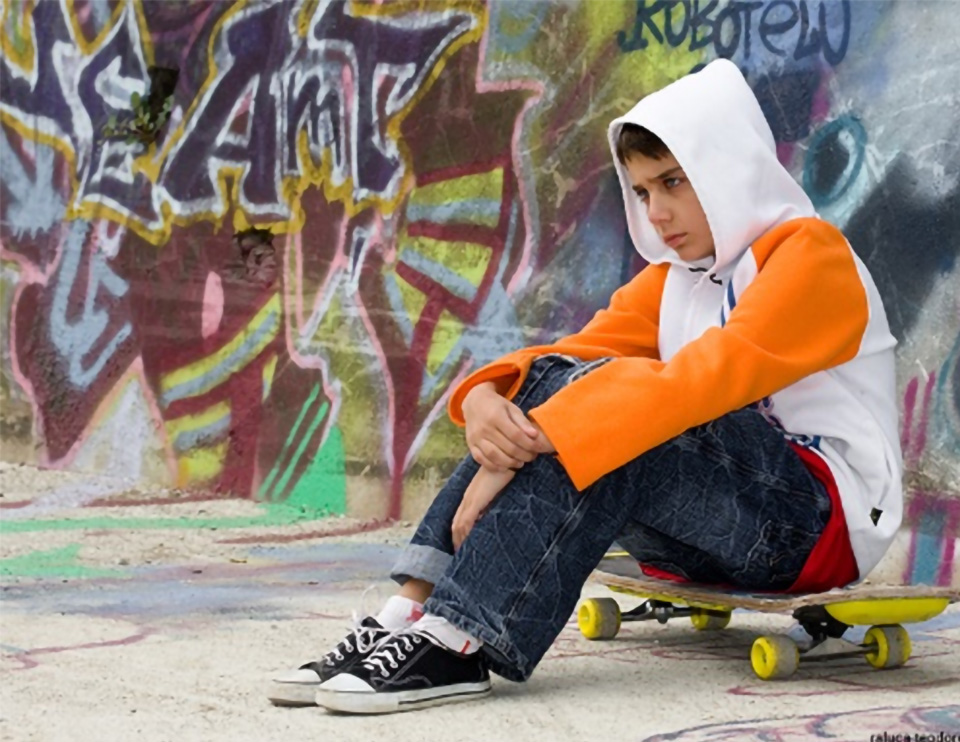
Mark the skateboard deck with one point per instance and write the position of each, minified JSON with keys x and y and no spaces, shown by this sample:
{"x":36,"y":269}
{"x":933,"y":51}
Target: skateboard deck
{"x":824,"y":616}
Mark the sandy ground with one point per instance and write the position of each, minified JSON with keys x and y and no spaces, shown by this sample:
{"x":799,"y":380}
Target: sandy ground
{"x":148,"y":616}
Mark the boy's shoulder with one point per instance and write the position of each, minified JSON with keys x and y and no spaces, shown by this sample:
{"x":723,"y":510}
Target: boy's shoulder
{"x":805,"y":227}
{"x":804,"y":233}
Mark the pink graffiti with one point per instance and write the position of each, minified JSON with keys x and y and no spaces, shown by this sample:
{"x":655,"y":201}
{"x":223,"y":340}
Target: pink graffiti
{"x":27,"y":661}
{"x":921,"y":505}
{"x":913,"y":438}
{"x":212,"y":305}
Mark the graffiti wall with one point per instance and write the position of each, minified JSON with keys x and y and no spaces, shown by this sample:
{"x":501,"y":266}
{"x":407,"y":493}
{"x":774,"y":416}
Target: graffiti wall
{"x":347,"y":206}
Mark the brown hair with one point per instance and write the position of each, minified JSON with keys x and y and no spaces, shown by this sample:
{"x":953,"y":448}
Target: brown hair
{"x":635,"y":139}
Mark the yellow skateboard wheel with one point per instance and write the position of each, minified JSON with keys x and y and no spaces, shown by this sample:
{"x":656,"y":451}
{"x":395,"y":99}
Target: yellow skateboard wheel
{"x":774,"y":657}
{"x":703,"y":621}
{"x":892,"y":646}
{"x":599,"y":618}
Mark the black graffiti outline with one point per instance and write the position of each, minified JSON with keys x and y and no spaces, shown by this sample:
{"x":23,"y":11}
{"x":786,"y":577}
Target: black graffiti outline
{"x":703,"y":28}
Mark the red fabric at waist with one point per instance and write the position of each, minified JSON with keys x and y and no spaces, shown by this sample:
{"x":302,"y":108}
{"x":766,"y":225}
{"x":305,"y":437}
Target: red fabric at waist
{"x":831,"y":562}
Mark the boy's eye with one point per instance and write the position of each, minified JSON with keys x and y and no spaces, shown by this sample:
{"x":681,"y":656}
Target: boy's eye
{"x":672,"y":182}
{"x":642,"y":195}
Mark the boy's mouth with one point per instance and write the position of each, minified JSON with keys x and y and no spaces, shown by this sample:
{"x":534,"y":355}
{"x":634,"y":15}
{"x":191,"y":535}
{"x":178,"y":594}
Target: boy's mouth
{"x":674,"y":240}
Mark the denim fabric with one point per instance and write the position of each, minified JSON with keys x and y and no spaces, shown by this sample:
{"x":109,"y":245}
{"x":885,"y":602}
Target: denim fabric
{"x":727,"y":502}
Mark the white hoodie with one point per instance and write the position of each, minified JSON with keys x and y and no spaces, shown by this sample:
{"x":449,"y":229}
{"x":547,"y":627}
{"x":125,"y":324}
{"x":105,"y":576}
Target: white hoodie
{"x":786,"y":318}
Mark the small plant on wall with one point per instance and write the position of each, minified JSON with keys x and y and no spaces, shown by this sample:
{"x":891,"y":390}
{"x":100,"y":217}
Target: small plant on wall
{"x":149,"y":113}
{"x":258,"y":256}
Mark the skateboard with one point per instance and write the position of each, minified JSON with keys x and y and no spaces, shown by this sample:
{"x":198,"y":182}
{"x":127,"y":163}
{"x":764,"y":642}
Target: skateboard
{"x":824,"y":616}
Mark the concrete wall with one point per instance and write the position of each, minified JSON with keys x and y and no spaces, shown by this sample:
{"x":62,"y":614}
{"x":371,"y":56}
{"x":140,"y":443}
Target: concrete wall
{"x":437,"y":184}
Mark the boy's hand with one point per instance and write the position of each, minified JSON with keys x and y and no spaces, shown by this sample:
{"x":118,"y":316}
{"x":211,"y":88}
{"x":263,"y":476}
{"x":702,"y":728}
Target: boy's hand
{"x":482,"y":490}
{"x":546,"y":446}
{"x":499,"y":435}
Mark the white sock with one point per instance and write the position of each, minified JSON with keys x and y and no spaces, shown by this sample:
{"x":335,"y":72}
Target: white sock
{"x":399,"y":612}
{"x":447,"y":634}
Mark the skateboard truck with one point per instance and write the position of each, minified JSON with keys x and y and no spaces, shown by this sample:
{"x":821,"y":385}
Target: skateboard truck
{"x":826,"y":634}
{"x":662,"y":611}
{"x":819,"y":624}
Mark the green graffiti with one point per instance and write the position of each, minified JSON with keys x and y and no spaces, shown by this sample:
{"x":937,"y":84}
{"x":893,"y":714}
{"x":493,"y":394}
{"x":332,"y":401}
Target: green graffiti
{"x":323,"y":487}
{"x":54,"y":563}
{"x":301,"y":447}
{"x":267,"y":490}
{"x":275,"y":515}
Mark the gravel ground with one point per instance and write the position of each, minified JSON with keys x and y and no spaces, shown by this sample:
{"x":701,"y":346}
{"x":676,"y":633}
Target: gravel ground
{"x":148,"y":616}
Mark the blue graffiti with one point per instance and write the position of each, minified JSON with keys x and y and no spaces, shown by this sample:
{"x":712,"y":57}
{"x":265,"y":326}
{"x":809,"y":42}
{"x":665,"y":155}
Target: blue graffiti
{"x":783,"y":27}
{"x":834,"y":159}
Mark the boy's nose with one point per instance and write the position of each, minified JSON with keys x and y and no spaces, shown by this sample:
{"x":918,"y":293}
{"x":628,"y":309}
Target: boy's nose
{"x":657,"y":212}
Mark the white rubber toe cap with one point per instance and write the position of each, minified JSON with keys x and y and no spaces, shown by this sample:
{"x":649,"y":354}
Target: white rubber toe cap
{"x":294,"y":688}
{"x":307,"y":677}
{"x":346,"y":683}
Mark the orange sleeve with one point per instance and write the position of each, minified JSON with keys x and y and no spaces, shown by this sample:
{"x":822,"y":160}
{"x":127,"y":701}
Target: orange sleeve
{"x":805,"y":311}
{"x":628,"y":327}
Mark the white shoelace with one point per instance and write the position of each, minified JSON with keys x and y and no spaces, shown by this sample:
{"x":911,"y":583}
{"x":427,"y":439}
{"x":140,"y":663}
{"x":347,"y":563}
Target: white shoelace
{"x":391,"y":651}
{"x":365,"y":636}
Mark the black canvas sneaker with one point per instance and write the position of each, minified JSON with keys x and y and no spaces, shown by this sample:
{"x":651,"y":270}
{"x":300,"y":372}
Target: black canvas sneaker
{"x":409,"y":670}
{"x":299,"y":687}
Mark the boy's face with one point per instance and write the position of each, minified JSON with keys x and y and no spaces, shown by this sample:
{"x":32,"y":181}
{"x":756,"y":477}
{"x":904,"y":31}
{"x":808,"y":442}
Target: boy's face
{"x":672,"y":205}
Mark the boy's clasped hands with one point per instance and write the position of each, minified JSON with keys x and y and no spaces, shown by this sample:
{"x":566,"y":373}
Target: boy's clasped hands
{"x":501,"y":439}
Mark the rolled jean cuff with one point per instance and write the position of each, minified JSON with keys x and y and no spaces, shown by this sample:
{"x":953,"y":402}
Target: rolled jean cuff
{"x":421,"y":562}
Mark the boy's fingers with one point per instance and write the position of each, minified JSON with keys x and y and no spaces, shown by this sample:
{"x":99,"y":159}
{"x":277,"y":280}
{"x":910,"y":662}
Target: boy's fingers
{"x":515,"y":435}
{"x":463,"y":523}
{"x":481,"y":458}
{"x":499,"y":461}
{"x":520,"y":420}
{"x":505,"y":462}
{"x":543,"y":444}
{"x":509,"y":448}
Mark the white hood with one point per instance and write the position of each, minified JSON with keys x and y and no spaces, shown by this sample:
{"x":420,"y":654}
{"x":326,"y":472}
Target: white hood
{"x":713,"y":125}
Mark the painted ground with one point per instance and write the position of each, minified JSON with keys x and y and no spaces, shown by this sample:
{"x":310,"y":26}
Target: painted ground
{"x":164,"y":622}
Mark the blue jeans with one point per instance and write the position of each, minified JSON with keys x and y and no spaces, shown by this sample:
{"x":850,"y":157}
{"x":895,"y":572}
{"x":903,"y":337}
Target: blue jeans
{"x":727,"y":502}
